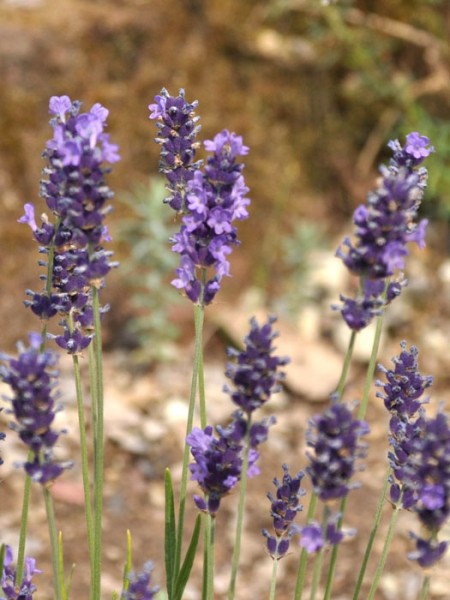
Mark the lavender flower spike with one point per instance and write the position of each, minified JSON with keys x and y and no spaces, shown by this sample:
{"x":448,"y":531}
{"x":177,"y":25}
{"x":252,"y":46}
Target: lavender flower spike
{"x":255,"y":373}
{"x":336,"y":440}
{"x":384,"y":227}
{"x":32,"y":378}
{"x":75,"y":190}
{"x":386,"y":223}
{"x":178,"y":128}
{"x":284,"y":509}
{"x":9,"y":575}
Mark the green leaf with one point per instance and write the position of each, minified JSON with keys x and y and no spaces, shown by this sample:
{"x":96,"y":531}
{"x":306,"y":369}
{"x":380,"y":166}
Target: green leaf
{"x":170,"y":534}
{"x":127,"y":567}
{"x":61,"y":566}
{"x":186,"y":567}
{"x":2,"y":557}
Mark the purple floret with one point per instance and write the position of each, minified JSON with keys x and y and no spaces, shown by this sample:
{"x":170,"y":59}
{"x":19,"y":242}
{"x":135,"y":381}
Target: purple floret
{"x":139,"y":585}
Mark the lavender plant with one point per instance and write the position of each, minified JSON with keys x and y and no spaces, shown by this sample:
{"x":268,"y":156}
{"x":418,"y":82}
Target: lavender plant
{"x":209,"y":197}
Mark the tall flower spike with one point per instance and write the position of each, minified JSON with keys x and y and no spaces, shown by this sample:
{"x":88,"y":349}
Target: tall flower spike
{"x":178,"y":128}
{"x":9,"y":576}
{"x":402,"y":394}
{"x":335,"y":438}
{"x":284,"y":509}
{"x":255,"y":372}
{"x":210,"y":200}
{"x":32,"y":378}
{"x":218,"y":459}
{"x":74,"y":187}
{"x":384,"y":227}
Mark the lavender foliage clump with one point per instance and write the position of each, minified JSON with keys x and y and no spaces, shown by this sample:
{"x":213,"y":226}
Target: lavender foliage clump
{"x":210,"y":199}
{"x":335,"y":438}
{"x":284,"y":509}
{"x":8,"y":579}
{"x":75,"y":190}
{"x":255,"y":372}
{"x":139,"y":587}
{"x":384,"y":227}
{"x":32,"y":378}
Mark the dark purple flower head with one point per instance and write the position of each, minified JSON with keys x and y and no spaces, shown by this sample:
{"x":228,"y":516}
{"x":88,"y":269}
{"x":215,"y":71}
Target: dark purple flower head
{"x":285,"y":505}
{"x":178,"y":128}
{"x":74,"y":187}
{"x":336,"y":440}
{"x":9,"y":575}
{"x":32,"y":378}
{"x":387,"y":222}
{"x":314,"y":535}
{"x":210,"y":199}
{"x":218,"y":458}
{"x":428,"y":552}
{"x":284,"y":508}
{"x":255,"y":373}
{"x":403,"y":390}
{"x":358,"y":312}
{"x":139,"y":587}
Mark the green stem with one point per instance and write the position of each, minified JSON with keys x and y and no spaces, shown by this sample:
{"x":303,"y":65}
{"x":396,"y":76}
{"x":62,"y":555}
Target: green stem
{"x":199,"y":313}
{"x":425,"y":588}
{"x":372,"y":536}
{"x":316,"y":575}
{"x":99,"y":454}
{"x":23,"y":526}
{"x":53,"y":542}
{"x":372,"y":362}
{"x":210,"y":563}
{"x":334,"y":552}
{"x":384,"y":554}
{"x":240,"y":515}
{"x":84,"y":462}
{"x":273,"y":581}
{"x":304,"y":555}
{"x":346,"y":365}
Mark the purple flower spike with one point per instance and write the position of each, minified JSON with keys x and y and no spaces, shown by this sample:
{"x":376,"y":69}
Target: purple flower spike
{"x":384,"y":226}
{"x":32,"y":378}
{"x":210,"y":199}
{"x":336,"y":440}
{"x":9,"y":576}
{"x":255,"y":373}
{"x":139,"y":585}
{"x":284,"y":509}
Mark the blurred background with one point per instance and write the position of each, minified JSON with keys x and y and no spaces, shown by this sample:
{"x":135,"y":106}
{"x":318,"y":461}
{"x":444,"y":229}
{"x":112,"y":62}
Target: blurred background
{"x":316,"y":90}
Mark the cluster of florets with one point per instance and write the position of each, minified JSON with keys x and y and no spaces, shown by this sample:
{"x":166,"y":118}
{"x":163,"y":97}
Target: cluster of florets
{"x":419,"y":453}
{"x":403,"y":397}
{"x":139,"y":587}
{"x":428,"y":474}
{"x":210,"y":199}
{"x":284,"y":509}
{"x":335,"y":438}
{"x":9,"y":576}
{"x":75,"y":190}
{"x":255,"y":372}
{"x":218,"y":460}
{"x":32,"y":378}
{"x":384,"y":227}
{"x":314,"y":536}
{"x":178,"y":128}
